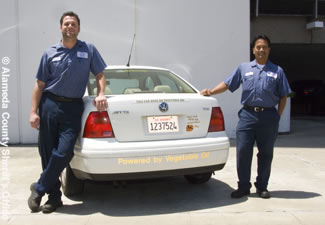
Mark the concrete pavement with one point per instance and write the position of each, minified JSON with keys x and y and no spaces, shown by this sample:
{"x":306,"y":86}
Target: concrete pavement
{"x":297,"y":187}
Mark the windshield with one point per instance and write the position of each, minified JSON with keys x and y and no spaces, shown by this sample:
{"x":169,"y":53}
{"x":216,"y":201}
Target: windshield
{"x":135,"y":81}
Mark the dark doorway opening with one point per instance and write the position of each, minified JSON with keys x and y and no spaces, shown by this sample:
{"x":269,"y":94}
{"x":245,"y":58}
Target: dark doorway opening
{"x":304,"y":65}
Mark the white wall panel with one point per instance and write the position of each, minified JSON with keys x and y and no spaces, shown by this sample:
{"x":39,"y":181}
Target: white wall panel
{"x":203,"y":41}
{"x":107,"y":24}
{"x":10,"y":77}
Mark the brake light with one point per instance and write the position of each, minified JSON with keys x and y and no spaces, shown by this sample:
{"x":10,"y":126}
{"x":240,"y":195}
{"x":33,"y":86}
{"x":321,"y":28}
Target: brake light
{"x":98,"y":125}
{"x":216,"y":122}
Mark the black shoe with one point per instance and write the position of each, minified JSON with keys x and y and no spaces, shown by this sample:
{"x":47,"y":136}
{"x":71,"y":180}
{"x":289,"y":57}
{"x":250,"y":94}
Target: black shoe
{"x":240,"y":193}
{"x":51,"y":205}
{"x":34,"y":199}
{"x":263,"y":194}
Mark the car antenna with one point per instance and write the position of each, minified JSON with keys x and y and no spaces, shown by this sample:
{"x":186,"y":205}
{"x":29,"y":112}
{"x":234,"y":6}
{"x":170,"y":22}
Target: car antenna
{"x":128,"y":64}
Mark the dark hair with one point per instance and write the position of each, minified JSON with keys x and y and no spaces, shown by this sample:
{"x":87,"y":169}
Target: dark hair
{"x":69,"y":13}
{"x":262,"y":36}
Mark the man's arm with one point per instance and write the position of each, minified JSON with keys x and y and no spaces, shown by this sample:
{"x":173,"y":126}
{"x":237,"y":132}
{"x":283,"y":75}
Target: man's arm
{"x":220,"y":88}
{"x":282,"y":104}
{"x":100,"y":101}
{"x":34,"y":118}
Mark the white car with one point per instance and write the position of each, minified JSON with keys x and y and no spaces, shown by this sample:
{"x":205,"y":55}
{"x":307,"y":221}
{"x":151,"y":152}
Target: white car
{"x":156,"y":124}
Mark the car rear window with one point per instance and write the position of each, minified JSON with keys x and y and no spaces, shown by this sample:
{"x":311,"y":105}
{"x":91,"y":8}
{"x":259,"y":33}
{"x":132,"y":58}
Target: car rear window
{"x":135,"y":81}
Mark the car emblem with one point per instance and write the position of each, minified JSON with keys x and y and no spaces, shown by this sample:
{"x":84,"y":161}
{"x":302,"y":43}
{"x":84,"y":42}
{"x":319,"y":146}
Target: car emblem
{"x":163,"y":107}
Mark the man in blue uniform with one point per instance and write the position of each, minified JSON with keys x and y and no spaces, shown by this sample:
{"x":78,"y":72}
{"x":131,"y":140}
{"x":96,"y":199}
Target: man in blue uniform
{"x":264,"y":85}
{"x":57,"y":106}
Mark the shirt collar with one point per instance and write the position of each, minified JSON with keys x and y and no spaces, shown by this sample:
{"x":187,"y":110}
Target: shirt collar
{"x":267,"y":65}
{"x":60,"y":46}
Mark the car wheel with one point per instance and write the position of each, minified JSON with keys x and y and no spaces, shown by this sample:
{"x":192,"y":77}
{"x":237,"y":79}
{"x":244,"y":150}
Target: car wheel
{"x":198,"y":178}
{"x":70,"y":184}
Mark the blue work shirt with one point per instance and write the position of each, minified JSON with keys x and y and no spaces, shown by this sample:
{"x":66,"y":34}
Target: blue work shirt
{"x":66,"y":71}
{"x":261,"y":86}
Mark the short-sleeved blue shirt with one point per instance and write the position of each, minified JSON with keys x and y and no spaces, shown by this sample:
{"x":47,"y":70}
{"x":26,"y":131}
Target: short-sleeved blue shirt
{"x":66,"y":71}
{"x":261,"y":86}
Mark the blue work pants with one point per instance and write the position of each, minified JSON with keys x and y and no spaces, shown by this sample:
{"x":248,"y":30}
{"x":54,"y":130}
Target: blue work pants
{"x":262,"y":128}
{"x":59,"y":128}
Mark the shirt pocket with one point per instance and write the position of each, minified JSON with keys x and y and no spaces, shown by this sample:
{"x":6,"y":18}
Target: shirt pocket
{"x":57,"y":68}
{"x":248,"y":82}
{"x":269,"y":83}
{"x":82,"y":63}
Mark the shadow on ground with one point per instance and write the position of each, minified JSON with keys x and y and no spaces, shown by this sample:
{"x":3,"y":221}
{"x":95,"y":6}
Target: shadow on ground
{"x":150,"y":197}
{"x":287,"y":194}
{"x":159,"y":196}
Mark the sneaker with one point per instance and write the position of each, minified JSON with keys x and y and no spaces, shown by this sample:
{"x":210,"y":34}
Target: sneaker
{"x":34,"y":199}
{"x":240,"y":193}
{"x":263,"y":194}
{"x":51,"y":205}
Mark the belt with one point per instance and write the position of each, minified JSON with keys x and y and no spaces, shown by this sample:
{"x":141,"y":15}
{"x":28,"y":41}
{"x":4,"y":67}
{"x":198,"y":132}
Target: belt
{"x":61,"y":98}
{"x":258,"y":108}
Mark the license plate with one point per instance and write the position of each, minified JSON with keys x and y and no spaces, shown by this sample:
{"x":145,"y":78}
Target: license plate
{"x":162,"y":124}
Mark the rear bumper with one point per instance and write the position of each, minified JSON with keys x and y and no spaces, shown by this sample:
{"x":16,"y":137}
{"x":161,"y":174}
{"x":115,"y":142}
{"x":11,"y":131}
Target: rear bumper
{"x":145,"y":175}
{"x":103,"y":160}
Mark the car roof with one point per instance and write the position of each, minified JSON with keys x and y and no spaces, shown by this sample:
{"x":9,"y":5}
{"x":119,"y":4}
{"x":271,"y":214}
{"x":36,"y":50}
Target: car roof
{"x":135,"y":67}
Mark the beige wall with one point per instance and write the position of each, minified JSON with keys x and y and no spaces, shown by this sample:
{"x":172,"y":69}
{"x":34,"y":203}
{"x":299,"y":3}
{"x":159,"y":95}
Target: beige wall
{"x":282,"y":29}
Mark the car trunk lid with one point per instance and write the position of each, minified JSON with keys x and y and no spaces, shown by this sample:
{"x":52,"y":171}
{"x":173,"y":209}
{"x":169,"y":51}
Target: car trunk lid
{"x":141,"y":117}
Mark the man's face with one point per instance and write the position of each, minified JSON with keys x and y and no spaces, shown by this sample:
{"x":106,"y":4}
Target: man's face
{"x":261,"y":51}
{"x":70,"y":27}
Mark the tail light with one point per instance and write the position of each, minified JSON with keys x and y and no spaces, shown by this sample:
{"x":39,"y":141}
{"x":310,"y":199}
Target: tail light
{"x":98,"y":125}
{"x":216,"y":122}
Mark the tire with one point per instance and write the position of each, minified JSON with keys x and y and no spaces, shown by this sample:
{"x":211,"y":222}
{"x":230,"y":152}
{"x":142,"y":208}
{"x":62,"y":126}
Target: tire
{"x":70,"y":184}
{"x":198,"y":178}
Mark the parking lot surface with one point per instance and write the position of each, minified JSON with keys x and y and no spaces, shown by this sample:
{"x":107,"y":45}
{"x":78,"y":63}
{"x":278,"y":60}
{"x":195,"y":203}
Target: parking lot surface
{"x":297,"y":187}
